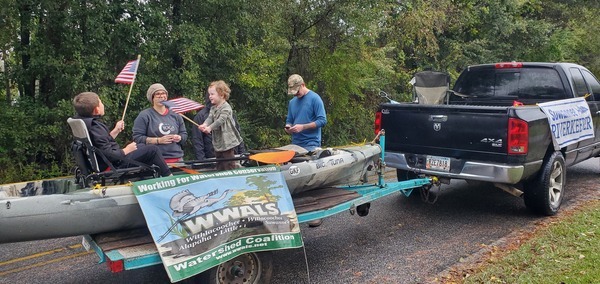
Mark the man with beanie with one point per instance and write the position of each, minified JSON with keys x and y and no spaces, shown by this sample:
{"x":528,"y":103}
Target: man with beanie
{"x":157,"y":125}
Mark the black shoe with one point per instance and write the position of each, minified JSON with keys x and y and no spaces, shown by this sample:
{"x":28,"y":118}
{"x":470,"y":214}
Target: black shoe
{"x":315,"y":223}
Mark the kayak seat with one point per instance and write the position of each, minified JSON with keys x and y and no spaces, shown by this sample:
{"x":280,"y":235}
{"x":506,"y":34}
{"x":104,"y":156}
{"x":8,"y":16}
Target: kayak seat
{"x":86,"y":157}
{"x":318,"y":154}
{"x":324,"y":153}
{"x":300,"y":159}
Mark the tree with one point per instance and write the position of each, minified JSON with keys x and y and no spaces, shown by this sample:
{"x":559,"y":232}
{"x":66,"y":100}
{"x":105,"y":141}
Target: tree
{"x":8,"y":20}
{"x":346,"y":51}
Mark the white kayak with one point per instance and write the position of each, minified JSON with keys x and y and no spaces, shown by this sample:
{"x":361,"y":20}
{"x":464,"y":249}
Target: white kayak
{"x":330,"y":167}
{"x":55,"y":208}
{"x":75,"y":213}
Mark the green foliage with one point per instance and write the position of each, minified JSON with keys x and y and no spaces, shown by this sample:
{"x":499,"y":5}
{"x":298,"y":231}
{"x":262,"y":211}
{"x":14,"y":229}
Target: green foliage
{"x":346,"y":51}
{"x":565,"y":252}
{"x":34,"y":144}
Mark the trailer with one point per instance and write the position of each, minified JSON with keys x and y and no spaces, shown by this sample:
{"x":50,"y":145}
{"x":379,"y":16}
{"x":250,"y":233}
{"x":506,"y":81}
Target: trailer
{"x":133,"y":249}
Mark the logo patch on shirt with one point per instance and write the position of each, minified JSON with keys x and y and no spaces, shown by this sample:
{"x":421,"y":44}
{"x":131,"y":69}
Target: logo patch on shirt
{"x":165,"y":129}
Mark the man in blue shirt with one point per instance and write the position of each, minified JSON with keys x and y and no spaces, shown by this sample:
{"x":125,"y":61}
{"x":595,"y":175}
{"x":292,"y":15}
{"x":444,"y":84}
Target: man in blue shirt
{"x":306,"y":115}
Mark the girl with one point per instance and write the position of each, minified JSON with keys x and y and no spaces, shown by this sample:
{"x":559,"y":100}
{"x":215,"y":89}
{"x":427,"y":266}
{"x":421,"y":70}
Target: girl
{"x":220,"y":124}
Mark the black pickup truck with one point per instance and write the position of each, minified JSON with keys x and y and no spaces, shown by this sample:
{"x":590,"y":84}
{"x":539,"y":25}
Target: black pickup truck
{"x":489,"y":129}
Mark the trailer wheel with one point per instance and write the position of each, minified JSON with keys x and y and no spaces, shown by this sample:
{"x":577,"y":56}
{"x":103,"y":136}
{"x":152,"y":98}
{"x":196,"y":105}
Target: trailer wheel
{"x":544,"y":194}
{"x":363,"y":209}
{"x":249,"y":268}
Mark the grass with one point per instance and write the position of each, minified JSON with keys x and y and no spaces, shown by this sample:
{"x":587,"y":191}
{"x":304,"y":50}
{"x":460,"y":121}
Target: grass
{"x":563,"y":251}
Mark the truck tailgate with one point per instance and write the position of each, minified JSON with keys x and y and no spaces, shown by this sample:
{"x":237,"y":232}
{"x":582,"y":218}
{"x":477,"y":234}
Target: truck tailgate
{"x":453,"y":131}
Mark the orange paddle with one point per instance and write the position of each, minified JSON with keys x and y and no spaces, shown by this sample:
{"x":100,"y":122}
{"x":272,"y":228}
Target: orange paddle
{"x":278,"y":157}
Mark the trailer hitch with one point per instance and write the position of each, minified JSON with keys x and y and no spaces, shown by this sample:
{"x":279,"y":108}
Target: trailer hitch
{"x":426,"y":194}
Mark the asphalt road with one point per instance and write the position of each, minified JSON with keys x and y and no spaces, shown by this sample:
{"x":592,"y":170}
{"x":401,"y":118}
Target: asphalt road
{"x":402,"y":240}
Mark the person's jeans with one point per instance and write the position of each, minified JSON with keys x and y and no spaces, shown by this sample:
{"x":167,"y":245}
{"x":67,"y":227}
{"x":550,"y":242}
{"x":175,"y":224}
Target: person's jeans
{"x":225,"y":165}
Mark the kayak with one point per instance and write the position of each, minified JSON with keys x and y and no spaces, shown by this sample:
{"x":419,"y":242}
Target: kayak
{"x":38,"y":217}
{"x":58,"y":208}
{"x":329,"y":167}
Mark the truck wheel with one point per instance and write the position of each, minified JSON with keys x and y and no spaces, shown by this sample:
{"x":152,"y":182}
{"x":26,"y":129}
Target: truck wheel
{"x":544,"y":194}
{"x":249,"y":268}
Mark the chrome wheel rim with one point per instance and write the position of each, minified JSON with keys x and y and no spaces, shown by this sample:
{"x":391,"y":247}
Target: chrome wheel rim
{"x":556,"y":183}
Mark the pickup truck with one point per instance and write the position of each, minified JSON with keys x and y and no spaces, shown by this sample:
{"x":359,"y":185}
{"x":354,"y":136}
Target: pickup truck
{"x":489,"y":129}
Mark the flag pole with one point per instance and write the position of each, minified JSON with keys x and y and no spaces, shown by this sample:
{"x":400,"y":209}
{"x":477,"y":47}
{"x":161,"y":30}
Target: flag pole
{"x":131,"y":86}
{"x":189,"y":119}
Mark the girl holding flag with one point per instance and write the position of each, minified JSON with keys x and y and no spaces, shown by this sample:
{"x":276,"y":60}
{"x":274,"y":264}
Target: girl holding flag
{"x":220,"y":124}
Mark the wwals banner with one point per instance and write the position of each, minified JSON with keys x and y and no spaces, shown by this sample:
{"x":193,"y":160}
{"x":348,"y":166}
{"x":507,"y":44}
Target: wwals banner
{"x":202,"y":220}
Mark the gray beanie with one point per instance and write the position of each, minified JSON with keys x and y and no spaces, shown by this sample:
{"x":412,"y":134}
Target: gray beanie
{"x":153,"y":89}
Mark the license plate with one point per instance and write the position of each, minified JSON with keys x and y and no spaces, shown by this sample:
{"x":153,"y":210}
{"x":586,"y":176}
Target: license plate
{"x":438,"y":163}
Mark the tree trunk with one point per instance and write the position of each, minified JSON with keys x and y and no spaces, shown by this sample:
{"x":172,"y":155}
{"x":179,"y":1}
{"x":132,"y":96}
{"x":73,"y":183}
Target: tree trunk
{"x":5,"y":71}
{"x":28,"y":80}
{"x":176,"y":58}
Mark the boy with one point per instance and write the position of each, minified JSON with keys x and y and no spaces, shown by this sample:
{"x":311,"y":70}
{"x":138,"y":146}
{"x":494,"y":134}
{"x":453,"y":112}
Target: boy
{"x":89,"y":108}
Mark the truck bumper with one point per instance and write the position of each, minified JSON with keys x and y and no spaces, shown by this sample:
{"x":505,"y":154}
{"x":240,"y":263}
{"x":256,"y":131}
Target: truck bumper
{"x":488,"y":172}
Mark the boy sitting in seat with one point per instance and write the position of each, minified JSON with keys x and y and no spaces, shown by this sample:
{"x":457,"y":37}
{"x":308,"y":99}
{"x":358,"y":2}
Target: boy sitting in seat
{"x":89,"y":108}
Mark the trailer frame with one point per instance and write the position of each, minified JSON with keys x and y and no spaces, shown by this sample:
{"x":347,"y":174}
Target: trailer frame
{"x":135,"y":249}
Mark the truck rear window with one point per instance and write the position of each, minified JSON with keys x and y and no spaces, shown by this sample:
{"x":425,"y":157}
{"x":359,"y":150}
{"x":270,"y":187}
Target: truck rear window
{"x":517,"y":83}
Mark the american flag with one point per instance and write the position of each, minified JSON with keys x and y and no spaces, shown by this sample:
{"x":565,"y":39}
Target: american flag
{"x":182,"y":105}
{"x":127,"y":75}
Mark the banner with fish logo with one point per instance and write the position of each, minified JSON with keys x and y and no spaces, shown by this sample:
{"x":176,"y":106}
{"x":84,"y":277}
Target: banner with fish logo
{"x":202,"y":220}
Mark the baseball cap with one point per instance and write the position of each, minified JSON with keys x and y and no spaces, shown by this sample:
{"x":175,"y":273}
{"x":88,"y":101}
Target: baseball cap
{"x":294,"y":83}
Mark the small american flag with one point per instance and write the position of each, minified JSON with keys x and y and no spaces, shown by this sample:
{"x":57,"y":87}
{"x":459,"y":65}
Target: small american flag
{"x":127,"y":75}
{"x":182,"y":105}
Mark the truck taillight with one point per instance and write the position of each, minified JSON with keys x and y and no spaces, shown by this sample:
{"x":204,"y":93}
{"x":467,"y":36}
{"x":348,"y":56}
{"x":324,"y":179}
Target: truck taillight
{"x":502,"y":65}
{"x":518,"y":136}
{"x":377,"y":122}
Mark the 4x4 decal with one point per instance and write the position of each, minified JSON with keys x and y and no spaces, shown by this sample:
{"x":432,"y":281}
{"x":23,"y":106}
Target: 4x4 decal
{"x":493,"y":141}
